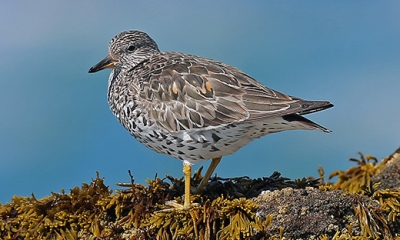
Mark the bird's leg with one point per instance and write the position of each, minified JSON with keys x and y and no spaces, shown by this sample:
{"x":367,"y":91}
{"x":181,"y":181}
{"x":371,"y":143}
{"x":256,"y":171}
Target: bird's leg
{"x":214,"y":163}
{"x":187,"y":172}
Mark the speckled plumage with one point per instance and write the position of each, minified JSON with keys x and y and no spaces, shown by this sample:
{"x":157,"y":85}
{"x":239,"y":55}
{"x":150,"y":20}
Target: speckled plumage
{"x":193,"y":108}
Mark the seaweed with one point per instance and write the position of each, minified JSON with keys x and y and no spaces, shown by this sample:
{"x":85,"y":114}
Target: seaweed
{"x":358,"y":179}
{"x":226,"y":208}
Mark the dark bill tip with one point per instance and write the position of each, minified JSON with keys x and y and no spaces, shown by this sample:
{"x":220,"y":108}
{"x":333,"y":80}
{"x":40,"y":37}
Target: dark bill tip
{"x":107,"y":62}
{"x":93,"y":70}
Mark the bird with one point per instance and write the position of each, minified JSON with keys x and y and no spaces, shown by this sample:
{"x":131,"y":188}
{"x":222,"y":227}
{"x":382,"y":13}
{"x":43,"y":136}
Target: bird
{"x":194,"y":108}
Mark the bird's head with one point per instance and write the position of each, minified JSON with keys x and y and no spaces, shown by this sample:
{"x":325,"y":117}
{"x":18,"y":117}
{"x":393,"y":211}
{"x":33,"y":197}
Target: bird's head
{"x":127,"y":49}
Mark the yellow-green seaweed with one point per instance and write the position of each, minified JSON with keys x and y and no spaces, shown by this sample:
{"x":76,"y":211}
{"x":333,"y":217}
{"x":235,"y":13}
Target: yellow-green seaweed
{"x":226,"y":209}
{"x":358,"y":179}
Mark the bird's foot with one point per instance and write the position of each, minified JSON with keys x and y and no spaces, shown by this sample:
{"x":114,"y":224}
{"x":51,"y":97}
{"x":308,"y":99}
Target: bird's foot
{"x":175,"y":206}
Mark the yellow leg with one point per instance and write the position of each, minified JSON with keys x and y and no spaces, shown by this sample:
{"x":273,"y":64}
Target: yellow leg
{"x":214,"y":163}
{"x":187,"y":172}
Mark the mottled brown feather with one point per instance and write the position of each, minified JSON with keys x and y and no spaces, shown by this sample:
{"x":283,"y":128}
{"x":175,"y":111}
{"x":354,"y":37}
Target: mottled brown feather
{"x":187,"y":92}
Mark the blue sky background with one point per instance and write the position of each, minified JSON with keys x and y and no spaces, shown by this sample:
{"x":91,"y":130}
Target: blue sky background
{"x":56,"y":129}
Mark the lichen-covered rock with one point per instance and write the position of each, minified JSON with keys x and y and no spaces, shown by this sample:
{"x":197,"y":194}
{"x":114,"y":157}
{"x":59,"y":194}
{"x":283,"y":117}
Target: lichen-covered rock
{"x":389,"y":177}
{"x":309,"y":213}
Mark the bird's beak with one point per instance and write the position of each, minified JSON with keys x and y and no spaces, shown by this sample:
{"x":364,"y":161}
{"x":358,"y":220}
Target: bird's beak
{"x":107,"y":62}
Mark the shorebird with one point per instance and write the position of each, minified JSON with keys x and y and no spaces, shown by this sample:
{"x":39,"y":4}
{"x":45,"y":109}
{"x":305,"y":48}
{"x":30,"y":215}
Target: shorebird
{"x":193,"y":108}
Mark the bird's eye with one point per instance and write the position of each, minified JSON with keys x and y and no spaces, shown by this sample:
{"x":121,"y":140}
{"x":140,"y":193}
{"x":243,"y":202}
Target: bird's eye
{"x":131,"y":48}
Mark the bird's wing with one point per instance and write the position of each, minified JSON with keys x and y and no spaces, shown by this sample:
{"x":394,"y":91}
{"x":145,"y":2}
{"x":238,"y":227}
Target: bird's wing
{"x":182,"y":92}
